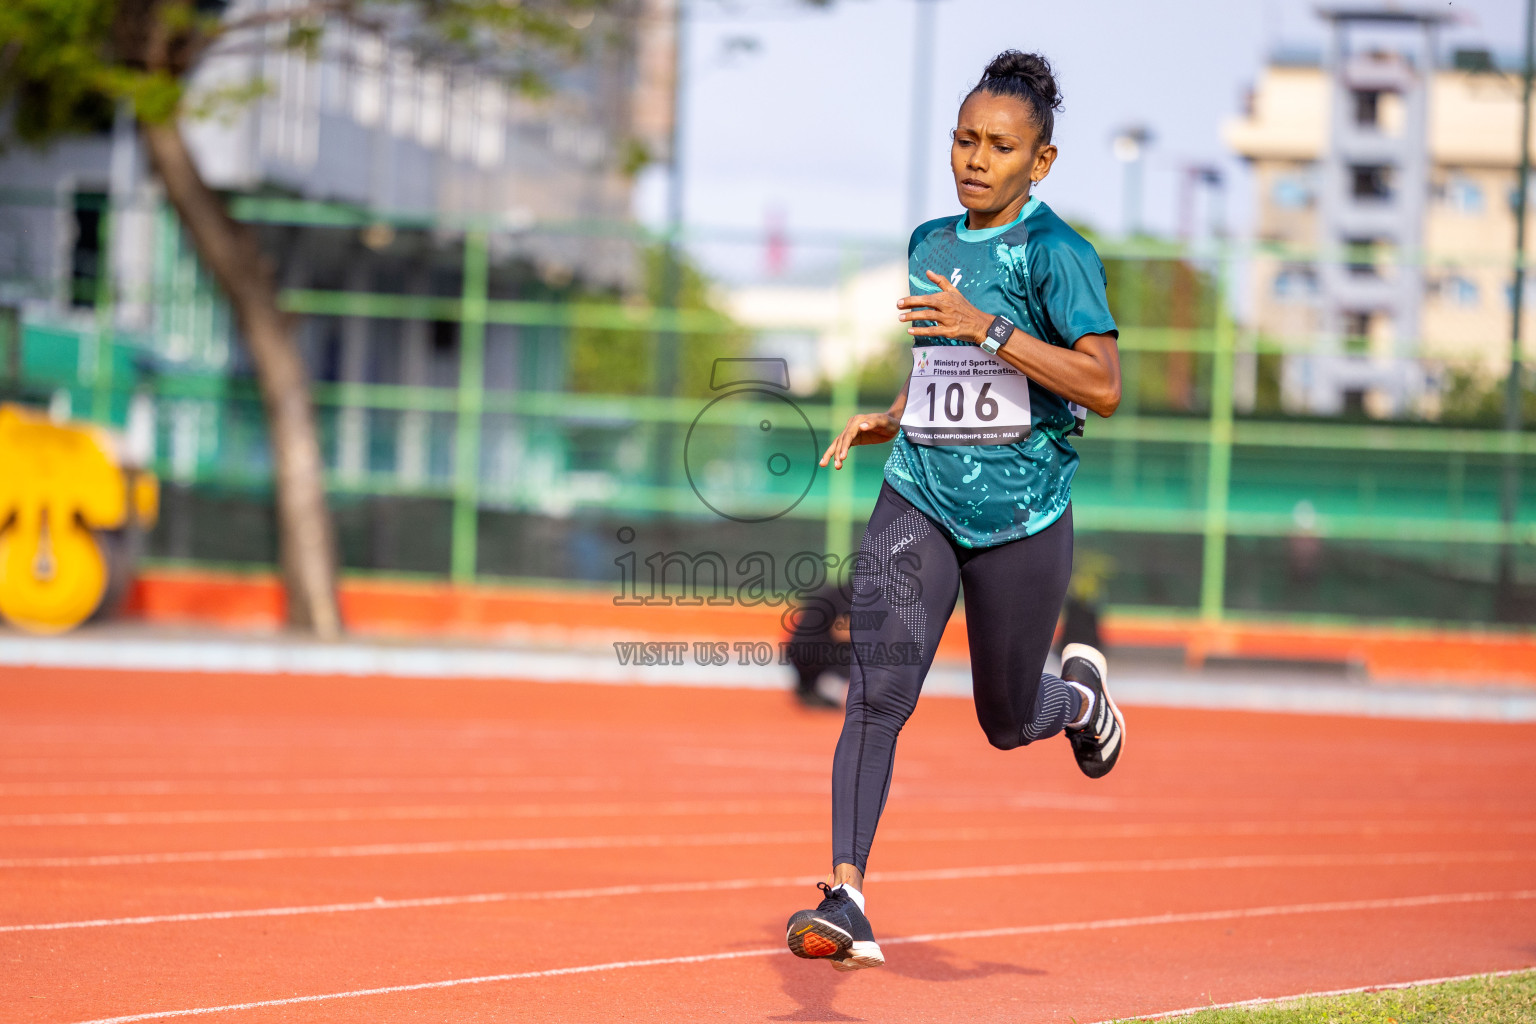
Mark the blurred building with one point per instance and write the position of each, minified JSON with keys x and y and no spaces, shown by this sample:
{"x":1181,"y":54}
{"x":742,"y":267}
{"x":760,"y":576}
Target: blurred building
{"x":824,"y":330}
{"x":364,"y":121}
{"x":87,"y":243}
{"x":1384,"y":178}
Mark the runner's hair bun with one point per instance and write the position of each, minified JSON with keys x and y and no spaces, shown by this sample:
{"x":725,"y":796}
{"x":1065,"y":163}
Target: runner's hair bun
{"x":1029,"y":77}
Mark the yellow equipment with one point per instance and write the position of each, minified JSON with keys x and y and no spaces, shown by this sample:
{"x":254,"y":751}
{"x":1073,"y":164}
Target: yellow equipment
{"x":60,"y":485}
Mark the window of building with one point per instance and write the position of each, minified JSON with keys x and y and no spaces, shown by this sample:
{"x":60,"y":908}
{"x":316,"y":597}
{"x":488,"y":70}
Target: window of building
{"x":1370,"y":182}
{"x":1364,"y":256}
{"x":1463,"y":194}
{"x":85,"y":260}
{"x":1295,"y":284}
{"x":367,"y":79}
{"x":1529,"y":298}
{"x":491,"y":130}
{"x":1455,"y":289}
{"x":462,"y":94}
{"x":1292,"y":192}
{"x":1357,"y":330}
{"x":1472,"y":60}
{"x":434,"y":87}
{"x":1367,"y":108}
{"x":335,"y":83}
{"x":402,"y":97}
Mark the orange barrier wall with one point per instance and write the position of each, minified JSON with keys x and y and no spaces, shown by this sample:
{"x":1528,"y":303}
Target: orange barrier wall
{"x":415,"y":609}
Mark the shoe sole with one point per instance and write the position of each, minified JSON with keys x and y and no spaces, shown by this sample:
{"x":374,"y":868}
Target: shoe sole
{"x":814,"y":938}
{"x":861,"y":955}
{"x":1095,"y":657}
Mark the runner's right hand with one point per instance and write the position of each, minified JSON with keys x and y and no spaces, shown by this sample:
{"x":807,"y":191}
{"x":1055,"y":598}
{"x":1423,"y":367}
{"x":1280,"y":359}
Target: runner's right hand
{"x":865,"y":428}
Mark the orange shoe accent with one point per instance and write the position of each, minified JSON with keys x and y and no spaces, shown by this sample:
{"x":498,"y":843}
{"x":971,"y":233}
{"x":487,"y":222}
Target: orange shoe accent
{"x":818,"y":945}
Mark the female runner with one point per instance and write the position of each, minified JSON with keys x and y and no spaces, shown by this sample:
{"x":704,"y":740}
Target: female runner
{"x":1012,"y":336}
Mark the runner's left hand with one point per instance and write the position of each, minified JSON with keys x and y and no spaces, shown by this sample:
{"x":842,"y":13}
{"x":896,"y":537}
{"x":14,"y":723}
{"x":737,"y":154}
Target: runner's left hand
{"x":952,"y":314}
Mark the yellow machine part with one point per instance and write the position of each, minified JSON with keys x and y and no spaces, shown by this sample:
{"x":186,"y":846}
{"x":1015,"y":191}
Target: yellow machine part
{"x":58,"y":483}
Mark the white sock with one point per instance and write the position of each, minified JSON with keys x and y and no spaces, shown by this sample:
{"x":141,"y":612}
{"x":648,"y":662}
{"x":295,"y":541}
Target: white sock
{"x":1086,"y":714}
{"x":853,"y":894}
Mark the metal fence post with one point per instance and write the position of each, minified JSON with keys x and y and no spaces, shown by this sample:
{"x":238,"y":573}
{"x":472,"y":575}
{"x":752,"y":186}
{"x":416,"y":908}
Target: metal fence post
{"x":845,"y":397}
{"x":466,"y":442}
{"x":101,"y":377}
{"x":1218,"y":477}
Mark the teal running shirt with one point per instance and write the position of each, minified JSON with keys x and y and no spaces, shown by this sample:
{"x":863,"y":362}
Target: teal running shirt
{"x":1047,"y":279}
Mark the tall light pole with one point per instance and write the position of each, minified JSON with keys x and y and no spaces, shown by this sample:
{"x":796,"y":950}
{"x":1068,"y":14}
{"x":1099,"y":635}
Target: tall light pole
{"x":922,"y":104}
{"x":1195,"y":177}
{"x":679,"y":111}
{"x":1514,"y":393}
{"x":1130,"y":147}
{"x":668,"y":339}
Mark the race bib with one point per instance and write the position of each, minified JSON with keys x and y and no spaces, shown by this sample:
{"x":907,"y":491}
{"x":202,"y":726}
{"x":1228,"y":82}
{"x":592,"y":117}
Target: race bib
{"x":961,"y":395}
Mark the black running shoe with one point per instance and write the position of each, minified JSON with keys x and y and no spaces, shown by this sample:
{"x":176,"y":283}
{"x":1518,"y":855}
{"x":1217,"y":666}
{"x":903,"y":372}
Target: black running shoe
{"x":1098,"y":743}
{"x":836,"y":930}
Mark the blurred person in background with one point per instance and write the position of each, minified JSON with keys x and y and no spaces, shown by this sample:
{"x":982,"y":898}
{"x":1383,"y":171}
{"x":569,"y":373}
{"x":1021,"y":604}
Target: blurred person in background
{"x":820,"y":647}
{"x":1085,"y":596}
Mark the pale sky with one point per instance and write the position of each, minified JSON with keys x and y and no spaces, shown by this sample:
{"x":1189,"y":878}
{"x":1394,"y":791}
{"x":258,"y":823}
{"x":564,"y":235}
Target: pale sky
{"x":814,"y":121}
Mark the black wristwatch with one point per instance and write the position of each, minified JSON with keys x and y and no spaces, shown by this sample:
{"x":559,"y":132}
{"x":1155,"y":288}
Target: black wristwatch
{"x":1000,"y":331}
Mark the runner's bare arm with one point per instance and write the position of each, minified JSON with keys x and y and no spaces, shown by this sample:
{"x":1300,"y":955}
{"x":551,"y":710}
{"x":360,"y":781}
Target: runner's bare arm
{"x":1088,"y":373}
{"x":868,"y":428}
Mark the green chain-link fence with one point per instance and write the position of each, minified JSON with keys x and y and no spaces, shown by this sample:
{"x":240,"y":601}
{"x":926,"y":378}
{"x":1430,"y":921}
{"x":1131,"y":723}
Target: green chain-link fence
{"x":491,"y":466}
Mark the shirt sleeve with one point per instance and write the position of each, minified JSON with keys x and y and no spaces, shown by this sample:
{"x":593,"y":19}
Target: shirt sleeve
{"x":1071,"y":283}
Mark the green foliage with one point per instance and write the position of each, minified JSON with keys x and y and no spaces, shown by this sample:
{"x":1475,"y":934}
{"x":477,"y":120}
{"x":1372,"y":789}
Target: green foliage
{"x":65,"y":65}
{"x":1473,"y":400}
{"x":223,"y":102}
{"x":1160,"y":293}
{"x":1485,"y":1000}
{"x":882,"y":376}
{"x":634,"y":157}
{"x":51,"y":65}
{"x":632,"y":362}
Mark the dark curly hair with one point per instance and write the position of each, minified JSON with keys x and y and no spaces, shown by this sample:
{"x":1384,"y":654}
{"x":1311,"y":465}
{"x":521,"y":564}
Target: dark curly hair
{"x":1029,"y":77}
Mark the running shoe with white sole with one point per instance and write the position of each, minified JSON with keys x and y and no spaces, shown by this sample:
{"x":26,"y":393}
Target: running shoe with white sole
{"x":1097,"y":744}
{"x":836,"y":930}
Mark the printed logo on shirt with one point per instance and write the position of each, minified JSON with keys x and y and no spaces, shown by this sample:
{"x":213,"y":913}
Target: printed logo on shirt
{"x":954,"y":278}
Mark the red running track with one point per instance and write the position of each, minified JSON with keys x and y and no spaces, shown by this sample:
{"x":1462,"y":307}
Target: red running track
{"x":531,"y":852}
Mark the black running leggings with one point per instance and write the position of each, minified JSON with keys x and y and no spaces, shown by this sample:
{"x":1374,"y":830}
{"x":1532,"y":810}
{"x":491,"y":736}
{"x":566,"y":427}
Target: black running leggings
{"x":905,"y":580}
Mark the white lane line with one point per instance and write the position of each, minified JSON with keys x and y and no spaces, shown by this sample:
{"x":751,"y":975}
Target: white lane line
{"x":1273,"y":1000}
{"x":983,"y":933}
{"x":417,"y":813}
{"x":448,"y":812}
{"x":562,"y":843}
{"x":287,"y":787}
{"x":725,"y":885}
{"x":406,"y":849}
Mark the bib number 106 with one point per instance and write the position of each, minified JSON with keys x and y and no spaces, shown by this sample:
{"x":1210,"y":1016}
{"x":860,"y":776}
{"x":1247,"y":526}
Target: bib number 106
{"x":959,"y":395}
{"x":954,"y":403}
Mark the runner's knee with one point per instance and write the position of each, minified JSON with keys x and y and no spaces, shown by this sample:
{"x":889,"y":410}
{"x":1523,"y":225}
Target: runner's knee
{"x":1004,"y":738}
{"x":891,"y":700}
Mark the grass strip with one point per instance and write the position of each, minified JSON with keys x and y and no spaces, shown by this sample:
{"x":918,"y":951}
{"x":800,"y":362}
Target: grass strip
{"x":1486,"y":999}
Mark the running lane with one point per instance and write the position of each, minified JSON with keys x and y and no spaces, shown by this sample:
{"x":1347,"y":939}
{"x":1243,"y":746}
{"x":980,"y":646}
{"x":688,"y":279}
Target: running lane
{"x":532,"y":852}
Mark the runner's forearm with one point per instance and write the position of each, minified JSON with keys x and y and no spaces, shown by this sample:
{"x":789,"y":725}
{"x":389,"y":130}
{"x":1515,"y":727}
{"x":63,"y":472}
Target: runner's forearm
{"x":1088,"y":374}
{"x":899,"y":403}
